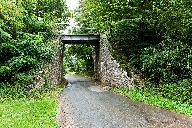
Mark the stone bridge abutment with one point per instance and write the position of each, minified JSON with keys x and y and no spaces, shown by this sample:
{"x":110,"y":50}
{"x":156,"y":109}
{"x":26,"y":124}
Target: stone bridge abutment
{"x":107,"y":69}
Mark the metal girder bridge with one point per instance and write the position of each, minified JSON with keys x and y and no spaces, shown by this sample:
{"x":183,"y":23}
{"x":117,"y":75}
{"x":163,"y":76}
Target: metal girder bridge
{"x":80,"y":39}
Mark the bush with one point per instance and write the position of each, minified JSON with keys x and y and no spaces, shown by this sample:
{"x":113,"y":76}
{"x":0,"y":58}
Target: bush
{"x":168,"y":62}
{"x":23,"y":55}
{"x":181,"y":91}
{"x":16,"y":87}
{"x":139,"y":31}
{"x":78,"y":58}
{"x":152,"y":38}
{"x":25,"y":40}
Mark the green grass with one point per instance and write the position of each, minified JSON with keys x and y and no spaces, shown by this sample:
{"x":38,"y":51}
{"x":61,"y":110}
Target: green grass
{"x":38,"y":111}
{"x":154,"y":100}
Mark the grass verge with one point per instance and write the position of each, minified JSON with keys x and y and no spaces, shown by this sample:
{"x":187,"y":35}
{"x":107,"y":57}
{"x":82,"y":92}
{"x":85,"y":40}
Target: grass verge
{"x":36,"y":111}
{"x":153,"y":99}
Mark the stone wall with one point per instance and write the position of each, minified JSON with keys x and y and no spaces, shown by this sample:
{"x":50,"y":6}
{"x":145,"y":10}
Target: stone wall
{"x":55,"y":69}
{"x":109,"y":69}
{"x":52,"y":73}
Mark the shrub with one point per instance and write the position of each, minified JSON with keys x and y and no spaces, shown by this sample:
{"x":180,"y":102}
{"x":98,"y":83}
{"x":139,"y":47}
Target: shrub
{"x":168,"y":62}
{"x":181,"y":91}
{"x":146,"y":36}
{"x":152,"y":38}
{"x":25,"y":40}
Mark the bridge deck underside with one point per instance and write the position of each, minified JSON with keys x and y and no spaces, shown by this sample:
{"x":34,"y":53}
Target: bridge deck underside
{"x":80,"y":39}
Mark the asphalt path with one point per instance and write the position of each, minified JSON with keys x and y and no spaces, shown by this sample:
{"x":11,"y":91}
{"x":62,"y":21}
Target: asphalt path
{"x":84,"y":104}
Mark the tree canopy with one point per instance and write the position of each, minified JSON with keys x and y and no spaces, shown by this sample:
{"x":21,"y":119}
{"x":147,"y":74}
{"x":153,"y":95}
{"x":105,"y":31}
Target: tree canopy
{"x":151,"y":38}
{"x":26,"y":30}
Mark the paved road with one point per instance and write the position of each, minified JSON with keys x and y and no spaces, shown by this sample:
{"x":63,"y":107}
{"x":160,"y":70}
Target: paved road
{"x":83,"y":104}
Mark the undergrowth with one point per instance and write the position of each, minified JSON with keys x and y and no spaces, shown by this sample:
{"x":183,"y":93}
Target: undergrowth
{"x":154,"y":99}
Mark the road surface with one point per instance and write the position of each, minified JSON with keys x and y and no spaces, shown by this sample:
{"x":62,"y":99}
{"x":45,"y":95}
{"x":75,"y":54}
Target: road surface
{"x":83,"y":104}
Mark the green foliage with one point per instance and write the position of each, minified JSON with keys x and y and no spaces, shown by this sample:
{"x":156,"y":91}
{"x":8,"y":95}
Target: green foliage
{"x":137,"y":25}
{"x":168,"y":62}
{"x":154,"y":99}
{"x":37,"y":110}
{"x":25,"y":35}
{"x":180,"y":91}
{"x":52,"y":10}
{"x":26,"y":31}
{"x":78,"y":58}
{"x":151,"y":38}
{"x":16,"y":87}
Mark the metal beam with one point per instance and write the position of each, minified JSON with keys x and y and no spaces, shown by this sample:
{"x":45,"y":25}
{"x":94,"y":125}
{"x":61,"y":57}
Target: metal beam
{"x":80,"y":39}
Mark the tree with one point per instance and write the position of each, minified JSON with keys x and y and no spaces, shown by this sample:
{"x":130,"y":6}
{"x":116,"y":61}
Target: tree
{"x":25,"y":37}
{"x":79,"y":58}
{"x":136,"y":28}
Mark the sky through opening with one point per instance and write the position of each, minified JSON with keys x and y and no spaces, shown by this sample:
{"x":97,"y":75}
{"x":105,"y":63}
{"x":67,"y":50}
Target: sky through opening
{"x":72,"y":4}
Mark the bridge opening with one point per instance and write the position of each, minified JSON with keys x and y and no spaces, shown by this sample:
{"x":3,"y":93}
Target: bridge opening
{"x":79,"y":59}
{"x":79,"y":50}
